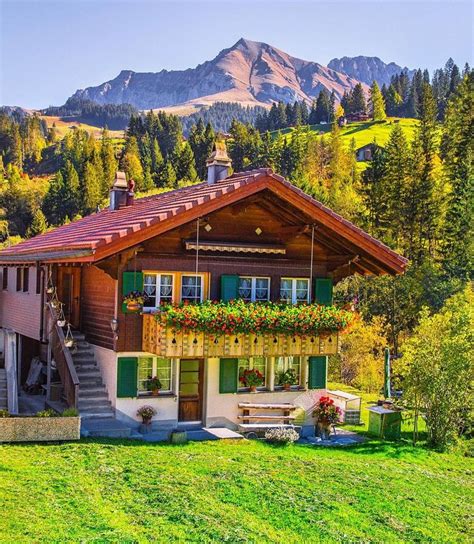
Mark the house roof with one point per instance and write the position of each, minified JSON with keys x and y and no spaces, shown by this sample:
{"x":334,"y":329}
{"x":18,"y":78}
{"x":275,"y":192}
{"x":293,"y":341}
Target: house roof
{"x":107,"y":232}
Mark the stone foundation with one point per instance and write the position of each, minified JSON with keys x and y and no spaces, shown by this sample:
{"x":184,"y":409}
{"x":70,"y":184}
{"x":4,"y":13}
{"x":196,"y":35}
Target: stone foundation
{"x":39,"y":429}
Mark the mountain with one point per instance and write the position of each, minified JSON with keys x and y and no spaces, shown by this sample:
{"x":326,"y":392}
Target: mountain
{"x":368,"y":69}
{"x":249,"y":73}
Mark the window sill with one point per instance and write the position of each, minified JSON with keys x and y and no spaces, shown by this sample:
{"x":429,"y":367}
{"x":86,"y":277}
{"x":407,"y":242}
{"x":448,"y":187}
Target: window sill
{"x":169,"y":395}
{"x":279,"y":390}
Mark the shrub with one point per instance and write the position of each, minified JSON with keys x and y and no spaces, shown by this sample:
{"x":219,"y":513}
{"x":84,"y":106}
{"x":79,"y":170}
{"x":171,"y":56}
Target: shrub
{"x":70,"y":412}
{"x":4,"y":413}
{"x":281,"y":436}
{"x":47,"y":413}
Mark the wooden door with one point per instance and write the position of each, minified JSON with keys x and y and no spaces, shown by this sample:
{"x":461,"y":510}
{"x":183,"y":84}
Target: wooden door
{"x":190,"y":389}
{"x":69,"y":293}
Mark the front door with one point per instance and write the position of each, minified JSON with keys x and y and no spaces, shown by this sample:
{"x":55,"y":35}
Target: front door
{"x":69,"y":290}
{"x":190,"y":389}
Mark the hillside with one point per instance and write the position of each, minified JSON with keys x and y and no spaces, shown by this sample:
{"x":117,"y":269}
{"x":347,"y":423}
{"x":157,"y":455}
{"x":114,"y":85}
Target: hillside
{"x":365,"y":132}
{"x":250,"y":73}
{"x":64,"y":125}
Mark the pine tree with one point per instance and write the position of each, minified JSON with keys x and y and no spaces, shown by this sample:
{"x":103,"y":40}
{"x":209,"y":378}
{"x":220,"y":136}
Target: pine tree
{"x":186,"y":167}
{"x":71,"y":190}
{"x":397,"y":175}
{"x":323,"y":108}
{"x":267,"y":157}
{"x":91,"y":189}
{"x":109,"y":163}
{"x":38,"y":225}
{"x":458,"y":243}
{"x":358,"y":103}
{"x":131,"y":164}
{"x":169,"y":175}
{"x":374,"y":191}
{"x":377,"y":103}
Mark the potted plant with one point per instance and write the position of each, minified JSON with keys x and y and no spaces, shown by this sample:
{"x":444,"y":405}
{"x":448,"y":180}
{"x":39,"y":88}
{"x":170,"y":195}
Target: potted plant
{"x":287,"y":378}
{"x":154,"y":385}
{"x":146,"y":413}
{"x":326,"y":414}
{"x":252,"y":378}
{"x":135,"y":300}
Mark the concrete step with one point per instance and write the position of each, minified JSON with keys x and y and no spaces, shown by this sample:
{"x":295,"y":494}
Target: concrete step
{"x":87,"y":368}
{"x":106,"y":427}
{"x":94,"y":403}
{"x":90,"y":381}
{"x":78,"y":336}
{"x":95,"y":414}
{"x":83,"y":354}
{"x":94,"y":392}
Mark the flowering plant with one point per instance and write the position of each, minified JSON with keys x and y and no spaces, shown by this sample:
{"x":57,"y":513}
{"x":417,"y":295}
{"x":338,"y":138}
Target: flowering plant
{"x":154,"y":383}
{"x":146,"y":413}
{"x":287,"y":377}
{"x":251,"y":378}
{"x":326,"y":413}
{"x":137,"y":297}
{"x":239,"y":317}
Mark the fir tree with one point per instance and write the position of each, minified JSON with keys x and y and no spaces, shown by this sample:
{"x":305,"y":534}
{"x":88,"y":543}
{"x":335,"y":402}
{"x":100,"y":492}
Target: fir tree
{"x":458,"y":243}
{"x":374,"y":191}
{"x":186,"y":168}
{"x":91,"y":189}
{"x":377,"y":103}
{"x":358,"y":102}
{"x":38,"y":225}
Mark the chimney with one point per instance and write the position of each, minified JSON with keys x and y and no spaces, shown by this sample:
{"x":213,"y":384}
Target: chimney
{"x":119,"y":191}
{"x":218,"y":164}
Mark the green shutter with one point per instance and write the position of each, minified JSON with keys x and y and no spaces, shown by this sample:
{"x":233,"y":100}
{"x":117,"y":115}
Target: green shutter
{"x":229,"y":287}
{"x":131,"y":281}
{"x":317,"y":372}
{"x":323,"y":291}
{"x":228,"y":375}
{"x":127,"y":376}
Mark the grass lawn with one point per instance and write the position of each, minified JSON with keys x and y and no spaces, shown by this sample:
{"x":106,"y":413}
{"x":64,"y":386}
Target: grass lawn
{"x":242,"y":491}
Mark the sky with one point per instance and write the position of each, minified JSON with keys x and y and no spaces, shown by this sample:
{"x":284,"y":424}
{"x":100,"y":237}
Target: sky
{"x":49,"y":49}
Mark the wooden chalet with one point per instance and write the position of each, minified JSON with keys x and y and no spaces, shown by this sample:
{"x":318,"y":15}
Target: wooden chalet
{"x":250,"y":235}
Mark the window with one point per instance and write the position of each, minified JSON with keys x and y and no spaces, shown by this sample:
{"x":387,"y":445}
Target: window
{"x":294,"y":290}
{"x":191,"y":288}
{"x":248,"y":363}
{"x":5,"y":279}
{"x":253,"y":289}
{"x":26,"y":279}
{"x":282,"y":364}
{"x":159,"y":288}
{"x":19,"y":277}
{"x":149,"y":367}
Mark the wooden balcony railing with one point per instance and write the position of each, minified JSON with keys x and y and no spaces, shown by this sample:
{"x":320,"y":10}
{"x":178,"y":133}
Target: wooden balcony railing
{"x":62,"y":357}
{"x":166,"y":342}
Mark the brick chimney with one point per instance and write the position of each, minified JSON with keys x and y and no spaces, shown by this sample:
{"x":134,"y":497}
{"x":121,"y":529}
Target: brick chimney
{"x":218,"y":164}
{"x":122,"y":192}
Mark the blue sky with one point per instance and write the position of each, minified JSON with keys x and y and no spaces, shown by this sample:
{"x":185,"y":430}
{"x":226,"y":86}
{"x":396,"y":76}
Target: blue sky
{"x":51,"y":48}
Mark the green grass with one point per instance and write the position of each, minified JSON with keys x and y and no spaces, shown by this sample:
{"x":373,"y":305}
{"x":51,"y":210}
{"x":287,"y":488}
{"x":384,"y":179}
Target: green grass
{"x":365,"y":132}
{"x":243,"y":491}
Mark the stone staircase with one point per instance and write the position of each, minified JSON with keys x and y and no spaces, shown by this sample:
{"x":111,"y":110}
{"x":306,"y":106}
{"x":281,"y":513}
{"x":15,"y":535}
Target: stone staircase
{"x":93,"y":399}
{"x":3,"y":389}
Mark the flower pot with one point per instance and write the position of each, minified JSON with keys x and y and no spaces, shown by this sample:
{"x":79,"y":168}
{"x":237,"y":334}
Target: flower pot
{"x":324,"y":430}
{"x":155,"y":392}
{"x":253,"y":388}
{"x":134,"y":306}
{"x":50,"y":290}
{"x":286,"y":386}
{"x":69,"y":343}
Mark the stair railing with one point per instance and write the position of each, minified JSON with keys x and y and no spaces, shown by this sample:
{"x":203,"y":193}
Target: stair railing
{"x":62,"y":357}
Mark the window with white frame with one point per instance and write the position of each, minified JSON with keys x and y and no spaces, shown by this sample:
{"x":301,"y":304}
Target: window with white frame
{"x":285,"y":364}
{"x":191,"y":288}
{"x":159,"y":288}
{"x":151,"y":367}
{"x":254,"y":289}
{"x":249,"y":363}
{"x":294,"y":290}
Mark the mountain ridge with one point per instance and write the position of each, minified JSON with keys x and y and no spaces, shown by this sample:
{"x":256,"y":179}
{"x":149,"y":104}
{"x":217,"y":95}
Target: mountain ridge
{"x":249,"y":72}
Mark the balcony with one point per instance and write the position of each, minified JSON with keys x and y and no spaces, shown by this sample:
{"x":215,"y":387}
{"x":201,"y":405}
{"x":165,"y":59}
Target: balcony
{"x":238,"y":329}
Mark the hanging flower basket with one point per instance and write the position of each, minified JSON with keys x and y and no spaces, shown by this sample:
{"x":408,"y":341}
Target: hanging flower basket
{"x":61,"y":323}
{"x":69,"y":342}
{"x":135,"y":300}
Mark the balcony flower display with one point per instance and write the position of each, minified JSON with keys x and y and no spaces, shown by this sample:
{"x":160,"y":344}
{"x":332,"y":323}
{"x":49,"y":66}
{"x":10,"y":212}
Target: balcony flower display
{"x":239,"y":317}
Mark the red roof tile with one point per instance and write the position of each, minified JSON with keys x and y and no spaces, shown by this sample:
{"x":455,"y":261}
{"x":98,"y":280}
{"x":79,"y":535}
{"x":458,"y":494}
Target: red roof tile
{"x":86,"y":235}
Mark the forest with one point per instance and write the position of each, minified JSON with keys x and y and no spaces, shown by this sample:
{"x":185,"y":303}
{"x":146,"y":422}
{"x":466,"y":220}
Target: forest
{"x":415,"y":196}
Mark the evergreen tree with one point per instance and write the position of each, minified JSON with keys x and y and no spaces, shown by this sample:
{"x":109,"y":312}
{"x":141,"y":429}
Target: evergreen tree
{"x":109,"y":163}
{"x":458,"y":243}
{"x":186,"y":168}
{"x":393,"y":101}
{"x":358,"y":103}
{"x":377,"y":103}
{"x":38,"y":225}
{"x":169,"y":175}
{"x":374,"y":192}
{"x":323,"y":108}
{"x":131,"y":164}
{"x":91,"y":189}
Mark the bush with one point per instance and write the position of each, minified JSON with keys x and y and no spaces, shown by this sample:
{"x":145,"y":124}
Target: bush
{"x":70,"y":412}
{"x":282,"y":436}
{"x":47,"y":413}
{"x":4,"y":413}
